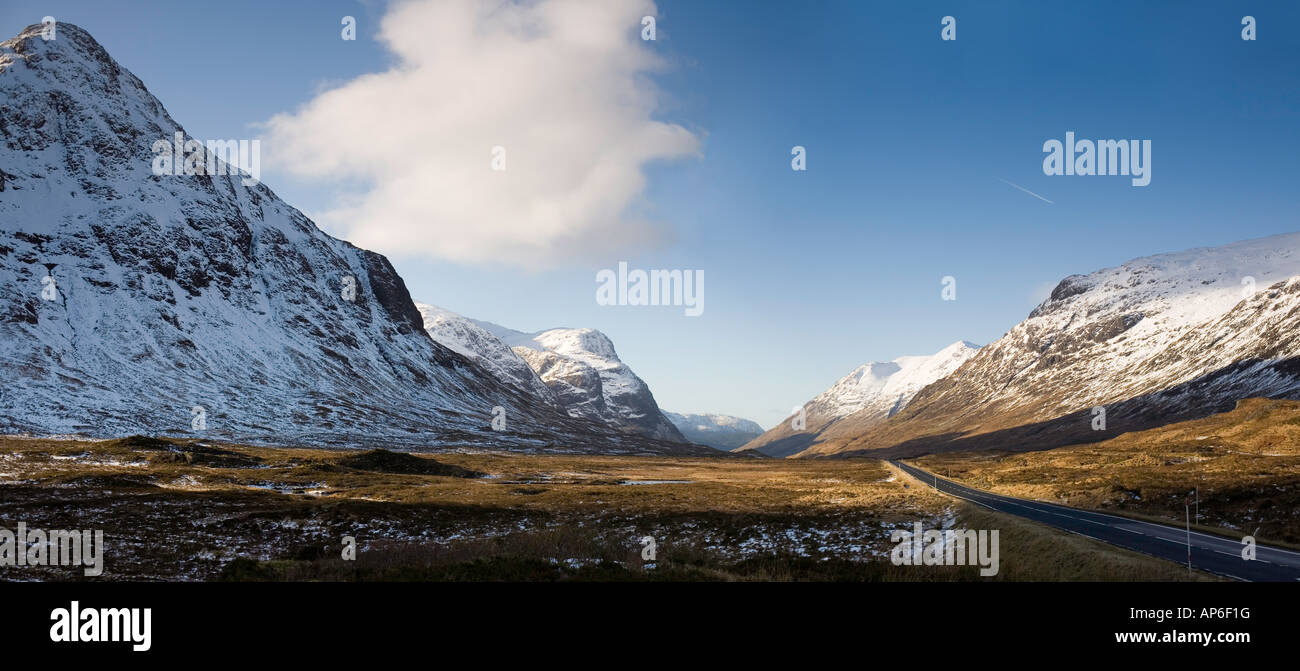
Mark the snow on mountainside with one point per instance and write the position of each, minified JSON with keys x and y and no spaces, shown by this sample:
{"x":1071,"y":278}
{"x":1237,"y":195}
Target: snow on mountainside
{"x":584,"y":371}
{"x":722,"y":432}
{"x":884,"y":388}
{"x":869,"y":394}
{"x":199,"y":305}
{"x":1158,"y":339}
{"x":463,"y":336}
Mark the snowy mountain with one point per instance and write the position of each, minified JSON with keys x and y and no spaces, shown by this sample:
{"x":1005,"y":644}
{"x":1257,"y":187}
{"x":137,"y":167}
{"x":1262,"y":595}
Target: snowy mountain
{"x":1155,"y":340}
{"x":197,"y":304}
{"x":868,"y":395}
{"x":581,"y":367}
{"x":467,"y":338}
{"x":722,"y":432}
{"x":573,"y":369}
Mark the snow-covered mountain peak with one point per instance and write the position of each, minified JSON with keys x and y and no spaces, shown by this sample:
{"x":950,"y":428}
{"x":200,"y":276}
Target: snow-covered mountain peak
{"x":1182,"y":288}
{"x":465,"y":337}
{"x":1112,"y":320}
{"x":723,"y":432}
{"x":583,"y":369}
{"x":581,"y":342}
{"x":176,"y":292}
{"x":888,"y":385}
{"x":869,"y":394}
{"x":73,"y":58}
{"x":714,"y":419}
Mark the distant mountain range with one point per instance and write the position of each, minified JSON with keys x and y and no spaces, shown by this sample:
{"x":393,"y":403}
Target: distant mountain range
{"x":722,"y":432}
{"x":577,"y":370}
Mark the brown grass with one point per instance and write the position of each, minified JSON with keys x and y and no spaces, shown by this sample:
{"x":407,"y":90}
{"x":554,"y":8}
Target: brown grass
{"x":186,"y":510}
{"x":1245,"y":463}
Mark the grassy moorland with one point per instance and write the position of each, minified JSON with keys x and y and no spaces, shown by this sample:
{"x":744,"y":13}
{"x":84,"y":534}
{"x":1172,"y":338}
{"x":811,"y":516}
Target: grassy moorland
{"x":1245,"y":463}
{"x":190,"y":510}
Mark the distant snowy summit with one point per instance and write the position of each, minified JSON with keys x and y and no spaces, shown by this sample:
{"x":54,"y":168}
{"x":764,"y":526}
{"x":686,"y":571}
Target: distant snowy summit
{"x":579,"y":371}
{"x":871,"y":393}
{"x":881,"y":389}
{"x":575,"y":369}
{"x":470,"y":340}
{"x":722,"y":432}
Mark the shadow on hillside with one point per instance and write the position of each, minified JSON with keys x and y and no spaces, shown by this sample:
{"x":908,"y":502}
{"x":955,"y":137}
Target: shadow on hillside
{"x":784,"y":447}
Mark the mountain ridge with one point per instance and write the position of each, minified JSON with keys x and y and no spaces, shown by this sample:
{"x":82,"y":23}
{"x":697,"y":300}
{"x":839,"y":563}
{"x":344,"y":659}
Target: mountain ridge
{"x":1157,"y":339}
{"x":721,"y":432}
{"x":869,"y":394}
{"x":582,"y":367}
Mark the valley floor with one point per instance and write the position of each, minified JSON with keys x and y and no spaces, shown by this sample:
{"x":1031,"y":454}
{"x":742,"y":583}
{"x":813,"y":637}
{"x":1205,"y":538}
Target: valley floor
{"x":182,"y":510}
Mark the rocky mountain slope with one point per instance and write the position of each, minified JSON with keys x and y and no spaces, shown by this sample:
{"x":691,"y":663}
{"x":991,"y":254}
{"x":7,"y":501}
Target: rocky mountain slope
{"x":722,"y":432}
{"x":582,"y":369}
{"x":196,"y":304}
{"x":1156,"y":340}
{"x":868,"y":395}
{"x":467,"y":338}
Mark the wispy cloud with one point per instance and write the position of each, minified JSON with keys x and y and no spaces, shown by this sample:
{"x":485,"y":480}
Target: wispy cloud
{"x":1025,"y":190}
{"x":560,"y":85}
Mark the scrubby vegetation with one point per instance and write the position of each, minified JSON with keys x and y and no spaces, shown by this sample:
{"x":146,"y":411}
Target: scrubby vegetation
{"x":1242,"y":465}
{"x":192,"y":510}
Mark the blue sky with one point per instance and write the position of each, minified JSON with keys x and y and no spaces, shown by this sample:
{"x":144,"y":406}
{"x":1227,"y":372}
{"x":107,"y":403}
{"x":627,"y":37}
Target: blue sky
{"x":809,"y":274}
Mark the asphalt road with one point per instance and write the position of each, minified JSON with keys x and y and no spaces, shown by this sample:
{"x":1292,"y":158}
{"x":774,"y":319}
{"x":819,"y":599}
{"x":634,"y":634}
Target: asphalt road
{"x":1214,"y":554}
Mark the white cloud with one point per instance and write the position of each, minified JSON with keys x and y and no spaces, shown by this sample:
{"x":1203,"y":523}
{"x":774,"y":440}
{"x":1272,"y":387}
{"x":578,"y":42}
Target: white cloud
{"x":560,"y":84}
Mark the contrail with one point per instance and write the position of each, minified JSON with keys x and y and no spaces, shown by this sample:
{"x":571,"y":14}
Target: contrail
{"x":1026,"y":191}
